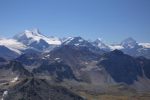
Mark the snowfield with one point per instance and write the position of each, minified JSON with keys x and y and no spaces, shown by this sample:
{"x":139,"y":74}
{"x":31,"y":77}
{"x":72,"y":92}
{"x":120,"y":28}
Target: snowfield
{"x":34,"y":35}
{"x":13,"y":45}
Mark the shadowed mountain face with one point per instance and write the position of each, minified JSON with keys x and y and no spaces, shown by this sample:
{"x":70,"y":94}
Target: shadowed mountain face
{"x":69,"y":62}
{"x":73,"y":55}
{"x":29,"y":58}
{"x":145,"y":64}
{"x":11,"y":71}
{"x":7,"y":53}
{"x":38,"y":89}
{"x":15,"y":67}
{"x":18,"y":68}
{"x":56,"y":70}
{"x":121,"y":67}
{"x":2,"y":60}
{"x":41,"y":45}
{"x":71,"y":67}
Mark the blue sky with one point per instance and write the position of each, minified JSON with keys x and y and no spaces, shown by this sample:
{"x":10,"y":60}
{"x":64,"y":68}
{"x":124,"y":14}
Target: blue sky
{"x":111,"y":20}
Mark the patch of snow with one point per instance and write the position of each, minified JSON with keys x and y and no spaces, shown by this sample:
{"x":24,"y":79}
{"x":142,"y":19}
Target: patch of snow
{"x":145,"y":45}
{"x":14,"y":80}
{"x":113,"y":47}
{"x":47,"y":56}
{"x":130,"y":46}
{"x":86,"y":63}
{"x":102,"y":46}
{"x":67,"y":40}
{"x":76,"y":44}
{"x":43,"y":58}
{"x":5,"y":93}
{"x":80,"y":40}
{"x":57,"y":58}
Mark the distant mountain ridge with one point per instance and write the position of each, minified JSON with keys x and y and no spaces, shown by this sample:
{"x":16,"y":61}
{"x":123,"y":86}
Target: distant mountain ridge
{"x":34,"y":41}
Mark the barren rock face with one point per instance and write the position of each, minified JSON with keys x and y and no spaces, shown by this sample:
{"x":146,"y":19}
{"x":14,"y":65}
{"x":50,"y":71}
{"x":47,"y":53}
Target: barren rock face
{"x":39,"y":89}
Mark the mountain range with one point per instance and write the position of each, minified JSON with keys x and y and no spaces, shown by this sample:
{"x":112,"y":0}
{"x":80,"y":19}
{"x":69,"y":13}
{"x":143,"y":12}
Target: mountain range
{"x":34,"y":41}
{"x":34,"y":66}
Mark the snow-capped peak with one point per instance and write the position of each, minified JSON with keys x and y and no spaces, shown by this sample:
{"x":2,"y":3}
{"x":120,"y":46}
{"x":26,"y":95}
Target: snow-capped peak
{"x":76,"y":41}
{"x":98,"y":42}
{"x":29,"y":36}
{"x":129,"y":43}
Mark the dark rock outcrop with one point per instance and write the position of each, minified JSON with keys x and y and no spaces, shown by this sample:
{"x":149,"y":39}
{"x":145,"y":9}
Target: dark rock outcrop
{"x":39,"y":89}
